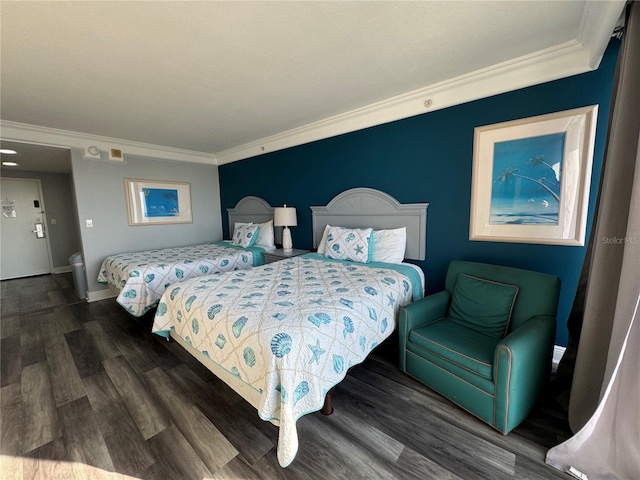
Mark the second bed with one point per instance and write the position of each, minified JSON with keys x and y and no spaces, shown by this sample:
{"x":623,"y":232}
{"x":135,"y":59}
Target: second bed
{"x":140,"y":278}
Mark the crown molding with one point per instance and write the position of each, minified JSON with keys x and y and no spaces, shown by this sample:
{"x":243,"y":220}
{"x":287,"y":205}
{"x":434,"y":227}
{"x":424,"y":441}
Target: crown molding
{"x":571,"y":58}
{"x":22,"y":132}
{"x":596,"y":26}
{"x":551,"y":64}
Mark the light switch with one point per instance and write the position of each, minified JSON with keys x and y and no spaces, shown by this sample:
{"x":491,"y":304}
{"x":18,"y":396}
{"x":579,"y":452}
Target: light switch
{"x":89,"y":223}
{"x":53,"y":221}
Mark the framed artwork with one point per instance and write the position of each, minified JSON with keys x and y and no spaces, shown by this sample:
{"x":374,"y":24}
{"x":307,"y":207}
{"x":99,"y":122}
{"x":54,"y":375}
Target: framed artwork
{"x":531,"y":178}
{"x":153,"y":202}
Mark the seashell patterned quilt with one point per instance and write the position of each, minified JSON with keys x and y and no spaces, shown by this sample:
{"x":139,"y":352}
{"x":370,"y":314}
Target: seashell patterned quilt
{"x":290,"y":329}
{"x":142,"y":277}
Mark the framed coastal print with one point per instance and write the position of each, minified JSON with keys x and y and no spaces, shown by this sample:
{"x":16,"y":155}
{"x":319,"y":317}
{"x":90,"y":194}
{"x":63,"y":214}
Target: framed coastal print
{"x":153,"y":202}
{"x":531,"y":178}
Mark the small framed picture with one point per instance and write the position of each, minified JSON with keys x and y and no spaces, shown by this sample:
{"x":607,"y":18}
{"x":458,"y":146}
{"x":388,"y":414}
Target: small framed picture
{"x":153,"y":202}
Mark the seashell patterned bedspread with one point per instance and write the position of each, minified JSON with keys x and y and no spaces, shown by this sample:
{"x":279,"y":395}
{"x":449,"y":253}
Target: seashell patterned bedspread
{"x":142,"y":277}
{"x":290,"y":329}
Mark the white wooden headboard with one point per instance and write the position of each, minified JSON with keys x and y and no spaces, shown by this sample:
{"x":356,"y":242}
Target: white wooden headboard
{"x":367,"y":207}
{"x":252,"y":209}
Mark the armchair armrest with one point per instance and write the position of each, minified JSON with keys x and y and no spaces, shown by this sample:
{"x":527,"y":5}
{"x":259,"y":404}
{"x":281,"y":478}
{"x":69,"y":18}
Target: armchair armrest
{"x":521,"y":367}
{"x":418,"y":313}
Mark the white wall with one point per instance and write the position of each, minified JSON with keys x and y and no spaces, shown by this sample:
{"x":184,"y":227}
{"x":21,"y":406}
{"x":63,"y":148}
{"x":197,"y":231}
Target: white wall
{"x":100,"y":195}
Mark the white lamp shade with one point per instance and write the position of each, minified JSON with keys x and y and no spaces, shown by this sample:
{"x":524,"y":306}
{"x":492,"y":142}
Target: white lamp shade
{"x":284,"y":217}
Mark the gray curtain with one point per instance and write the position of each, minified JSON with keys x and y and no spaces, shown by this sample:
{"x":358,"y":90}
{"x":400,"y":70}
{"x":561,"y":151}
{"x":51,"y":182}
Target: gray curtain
{"x":604,"y":405}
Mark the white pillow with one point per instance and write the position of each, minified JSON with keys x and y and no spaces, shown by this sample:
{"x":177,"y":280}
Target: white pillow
{"x":352,"y":244}
{"x":389,"y":245}
{"x":266,"y":237}
{"x":323,"y":241}
{"x":245,"y":236}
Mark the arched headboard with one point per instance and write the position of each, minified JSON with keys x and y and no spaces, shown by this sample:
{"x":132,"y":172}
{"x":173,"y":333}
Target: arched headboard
{"x":367,"y":207}
{"x":251,"y":209}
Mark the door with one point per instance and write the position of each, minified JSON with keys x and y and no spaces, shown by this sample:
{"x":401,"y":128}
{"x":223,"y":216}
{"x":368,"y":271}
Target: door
{"x":24,"y":247}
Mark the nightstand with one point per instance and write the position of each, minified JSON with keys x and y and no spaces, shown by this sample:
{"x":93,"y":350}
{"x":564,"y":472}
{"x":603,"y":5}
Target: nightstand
{"x":279,"y":254}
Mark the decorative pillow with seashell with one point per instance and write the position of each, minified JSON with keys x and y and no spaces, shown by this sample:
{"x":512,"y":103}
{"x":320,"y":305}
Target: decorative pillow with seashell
{"x":245,"y":236}
{"x":266,"y":238}
{"x":352,"y":244}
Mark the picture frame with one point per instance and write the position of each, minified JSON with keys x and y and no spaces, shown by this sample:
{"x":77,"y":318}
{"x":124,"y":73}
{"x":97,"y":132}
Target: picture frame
{"x":157,"y":202}
{"x":531,"y":178}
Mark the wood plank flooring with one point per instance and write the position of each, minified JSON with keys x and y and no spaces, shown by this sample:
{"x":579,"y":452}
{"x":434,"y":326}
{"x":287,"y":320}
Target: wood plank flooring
{"x":88,"y":392}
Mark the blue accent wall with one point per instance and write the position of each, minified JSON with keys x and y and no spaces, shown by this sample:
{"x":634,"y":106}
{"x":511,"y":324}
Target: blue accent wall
{"x":428,"y":158}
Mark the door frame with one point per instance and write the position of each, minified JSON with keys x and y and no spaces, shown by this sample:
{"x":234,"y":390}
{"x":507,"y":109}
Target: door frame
{"x":43,"y":211}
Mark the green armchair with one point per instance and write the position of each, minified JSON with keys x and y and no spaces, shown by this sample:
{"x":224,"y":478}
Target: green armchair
{"x":486,"y":342}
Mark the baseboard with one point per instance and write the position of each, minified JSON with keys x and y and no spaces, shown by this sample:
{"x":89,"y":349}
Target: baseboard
{"x":58,"y":270}
{"x":558,"y":352}
{"x":94,"y":296}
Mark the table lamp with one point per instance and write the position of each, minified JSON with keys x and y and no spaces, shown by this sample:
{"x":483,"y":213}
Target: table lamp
{"x":285,"y":217}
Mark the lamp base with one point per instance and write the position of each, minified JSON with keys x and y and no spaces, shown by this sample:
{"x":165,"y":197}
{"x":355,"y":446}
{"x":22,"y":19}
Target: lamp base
{"x":287,"y":244}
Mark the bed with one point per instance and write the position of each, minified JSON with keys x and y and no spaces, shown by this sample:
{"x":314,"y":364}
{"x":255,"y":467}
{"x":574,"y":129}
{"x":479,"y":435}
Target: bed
{"x":140,"y":278}
{"x":283,"y":335}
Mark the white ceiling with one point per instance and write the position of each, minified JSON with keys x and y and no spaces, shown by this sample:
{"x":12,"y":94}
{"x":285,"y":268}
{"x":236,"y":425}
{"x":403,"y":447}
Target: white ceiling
{"x":220,"y":77}
{"x":35,"y":158}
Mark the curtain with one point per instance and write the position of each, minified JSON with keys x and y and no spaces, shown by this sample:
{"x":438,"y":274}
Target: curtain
{"x":604,"y":405}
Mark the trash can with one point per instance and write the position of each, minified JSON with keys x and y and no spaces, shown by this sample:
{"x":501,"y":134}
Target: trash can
{"x":79,"y":278}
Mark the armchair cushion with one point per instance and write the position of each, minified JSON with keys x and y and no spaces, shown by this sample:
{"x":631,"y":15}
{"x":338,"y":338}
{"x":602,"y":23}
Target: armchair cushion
{"x":482,"y":305}
{"x":458,"y":345}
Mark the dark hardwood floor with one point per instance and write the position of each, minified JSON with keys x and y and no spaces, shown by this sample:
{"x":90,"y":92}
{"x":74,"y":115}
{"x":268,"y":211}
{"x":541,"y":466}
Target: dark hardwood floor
{"x":88,"y":392}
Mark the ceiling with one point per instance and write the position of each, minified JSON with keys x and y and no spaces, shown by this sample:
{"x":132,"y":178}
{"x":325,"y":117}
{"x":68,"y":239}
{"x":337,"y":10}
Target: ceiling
{"x":216,"y":77}
{"x":35,"y":158}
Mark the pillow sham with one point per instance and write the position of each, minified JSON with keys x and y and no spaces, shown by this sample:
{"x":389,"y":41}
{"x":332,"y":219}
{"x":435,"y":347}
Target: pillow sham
{"x":266,"y":237}
{"x":353,"y":244}
{"x":245,"y":236}
{"x":482,"y":305}
{"x":322,"y":246}
{"x":237,"y":225}
{"x":389,"y":245}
